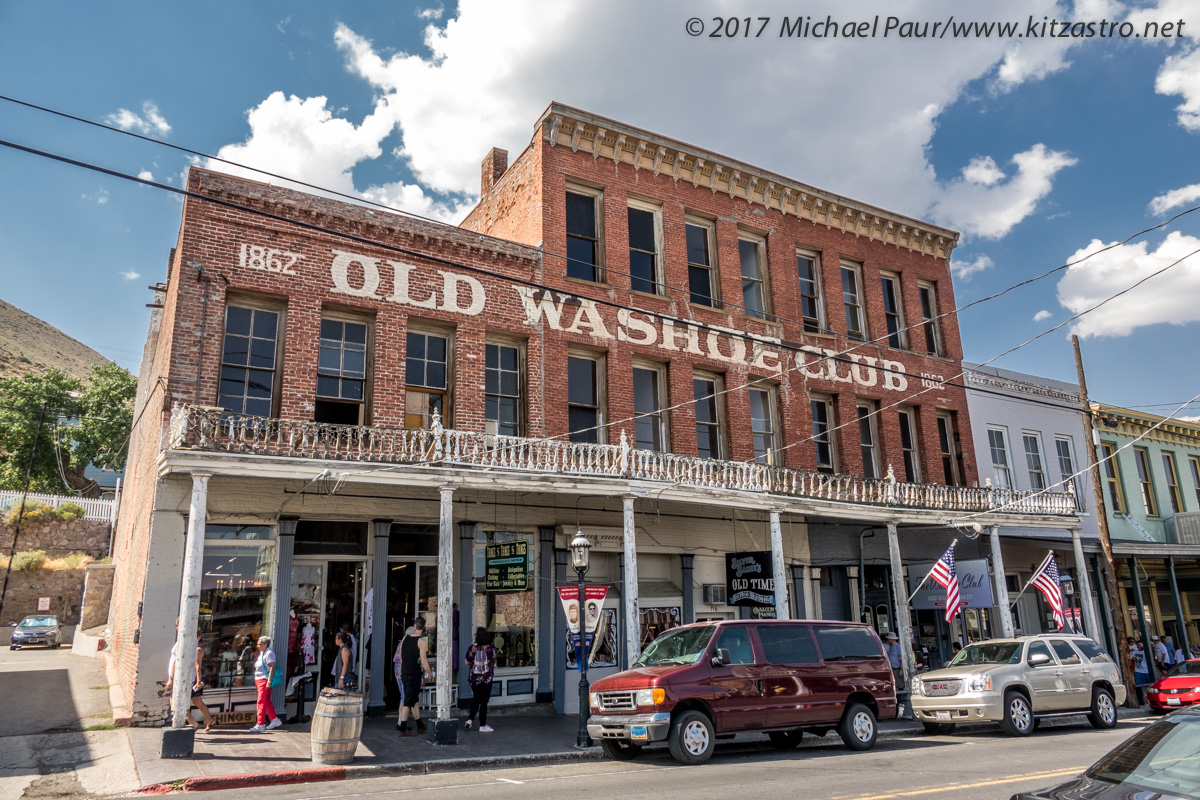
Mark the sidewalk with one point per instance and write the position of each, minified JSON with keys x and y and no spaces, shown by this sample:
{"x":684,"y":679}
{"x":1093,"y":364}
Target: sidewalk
{"x":229,"y":758}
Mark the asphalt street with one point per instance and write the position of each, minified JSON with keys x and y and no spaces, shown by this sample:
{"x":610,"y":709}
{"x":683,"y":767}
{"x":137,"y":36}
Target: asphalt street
{"x":56,"y":736}
{"x":981,"y":765}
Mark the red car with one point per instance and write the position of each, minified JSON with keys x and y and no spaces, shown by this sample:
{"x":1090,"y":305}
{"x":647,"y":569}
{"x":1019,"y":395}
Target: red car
{"x":1178,"y":688}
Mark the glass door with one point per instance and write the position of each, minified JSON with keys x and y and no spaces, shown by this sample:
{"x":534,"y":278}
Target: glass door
{"x":343,"y":606}
{"x":411,"y":593}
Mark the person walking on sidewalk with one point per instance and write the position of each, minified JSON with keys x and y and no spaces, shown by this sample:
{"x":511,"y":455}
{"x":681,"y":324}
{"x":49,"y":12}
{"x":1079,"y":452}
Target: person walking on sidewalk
{"x":414,"y":664}
{"x":397,"y":667}
{"x":481,"y":661}
{"x":347,"y":680}
{"x":265,"y":670}
{"x":197,"y":686}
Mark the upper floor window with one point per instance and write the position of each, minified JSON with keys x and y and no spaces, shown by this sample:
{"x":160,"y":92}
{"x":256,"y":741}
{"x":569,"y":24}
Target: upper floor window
{"x":1033,"y":460}
{"x":427,"y":379}
{"x":852,"y":301}
{"x":754,"y":281}
{"x":706,"y":391}
{"x":1168,"y":460}
{"x":583,"y":233}
{"x":948,"y":443}
{"x":502,"y":389}
{"x":908,"y":444}
{"x":248,"y":360}
{"x":645,"y":268}
{"x":764,"y":423}
{"x":341,"y":372}
{"x":893,"y":310}
{"x":1000,"y":465}
{"x":808,"y":265}
{"x":702,"y":281}
{"x":823,"y":433}
{"x":868,"y":438}
{"x":585,"y":412}
{"x":1112,"y":478}
{"x":1066,"y":467}
{"x":929,"y":318}
{"x":649,"y":419}
{"x":1194,"y":463}
{"x":1142,"y":459}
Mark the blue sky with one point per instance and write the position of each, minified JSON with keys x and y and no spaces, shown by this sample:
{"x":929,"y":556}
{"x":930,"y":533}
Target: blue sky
{"x":1033,"y":148}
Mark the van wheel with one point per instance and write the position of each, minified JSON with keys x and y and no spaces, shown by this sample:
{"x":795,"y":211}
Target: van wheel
{"x":938,"y":728}
{"x":619,"y":750}
{"x":857,"y":728}
{"x":1018,"y":716}
{"x":691,"y":738}
{"x":785,"y":740}
{"x":1104,"y":710}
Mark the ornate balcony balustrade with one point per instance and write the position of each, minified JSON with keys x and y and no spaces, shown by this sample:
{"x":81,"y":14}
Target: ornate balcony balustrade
{"x":213,"y":429}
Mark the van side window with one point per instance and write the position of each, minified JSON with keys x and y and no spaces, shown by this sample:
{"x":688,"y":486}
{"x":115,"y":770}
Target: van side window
{"x":1065,"y":654}
{"x":1040,"y":647}
{"x":1092,"y":651}
{"x":846,"y":644}
{"x":788,"y":644}
{"x":737,"y":642}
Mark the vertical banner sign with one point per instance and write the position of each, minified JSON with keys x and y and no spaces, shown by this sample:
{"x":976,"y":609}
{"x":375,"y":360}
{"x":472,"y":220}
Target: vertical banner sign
{"x":582,"y":620}
{"x":506,"y":567}
{"x":749,"y":579}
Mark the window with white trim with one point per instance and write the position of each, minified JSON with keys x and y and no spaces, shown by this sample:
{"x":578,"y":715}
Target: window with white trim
{"x":503,"y":385}
{"x":856,"y":327}
{"x":1169,"y":470}
{"x":752,"y":254}
{"x":703,"y":285}
{"x":649,"y":418}
{"x":1112,"y":477}
{"x":808,"y":266}
{"x":1033,"y":460}
{"x":948,"y":444}
{"x":585,"y":397}
{"x":868,"y":437}
{"x":908,"y":444}
{"x":893,"y":310}
{"x":645,"y":247}
{"x":930,"y":324}
{"x":1142,"y":459}
{"x":824,"y":440}
{"x":707,"y":393}
{"x":764,"y":422}
{"x":1066,"y":467}
{"x":342,"y":370}
{"x":427,"y":378}
{"x":585,"y":245}
{"x":1001,"y":470}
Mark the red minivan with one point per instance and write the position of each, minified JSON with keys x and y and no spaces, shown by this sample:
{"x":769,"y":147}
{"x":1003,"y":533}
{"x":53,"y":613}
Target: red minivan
{"x":715,"y":679}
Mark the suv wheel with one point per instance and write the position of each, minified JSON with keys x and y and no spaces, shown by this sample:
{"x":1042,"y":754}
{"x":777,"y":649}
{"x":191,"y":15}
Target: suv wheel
{"x":691,"y":738}
{"x":857,"y":728}
{"x":1018,"y":716}
{"x":938,"y":728}
{"x":1104,"y":710}
{"x":619,"y":750}
{"x":785,"y":740}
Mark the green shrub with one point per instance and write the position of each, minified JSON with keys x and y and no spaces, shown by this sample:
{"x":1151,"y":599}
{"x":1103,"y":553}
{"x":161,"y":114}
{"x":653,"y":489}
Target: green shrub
{"x":35,"y":511}
{"x":76,"y":560}
{"x":69,"y":511}
{"x":29,"y":560}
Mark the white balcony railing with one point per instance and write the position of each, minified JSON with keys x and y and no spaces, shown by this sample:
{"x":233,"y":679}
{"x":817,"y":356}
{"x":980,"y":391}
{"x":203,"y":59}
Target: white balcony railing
{"x":213,"y":429}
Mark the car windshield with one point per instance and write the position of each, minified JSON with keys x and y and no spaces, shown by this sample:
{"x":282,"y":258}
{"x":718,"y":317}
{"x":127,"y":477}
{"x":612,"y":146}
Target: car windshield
{"x":38,"y":622}
{"x":988,"y":653}
{"x":1162,"y":758}
{"x":680,"y":646}
{"x":1185,"y":668}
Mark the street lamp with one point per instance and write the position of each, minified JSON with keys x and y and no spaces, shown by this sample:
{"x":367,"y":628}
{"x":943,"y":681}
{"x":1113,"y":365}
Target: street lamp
{"x":579,"y":559}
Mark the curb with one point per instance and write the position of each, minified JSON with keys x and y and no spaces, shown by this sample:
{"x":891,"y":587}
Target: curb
{"x":439,"y":766}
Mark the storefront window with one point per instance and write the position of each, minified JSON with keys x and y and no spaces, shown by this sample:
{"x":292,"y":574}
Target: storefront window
{"x":505,"y":600}
{"x":656,"y":621}
{"x":235,"y":604}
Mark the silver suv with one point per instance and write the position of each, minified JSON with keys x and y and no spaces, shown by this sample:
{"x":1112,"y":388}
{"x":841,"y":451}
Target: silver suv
{"x":1017,"y":681}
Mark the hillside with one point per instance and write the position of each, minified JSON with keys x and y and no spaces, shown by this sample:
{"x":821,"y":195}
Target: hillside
{"x":29,"y":345}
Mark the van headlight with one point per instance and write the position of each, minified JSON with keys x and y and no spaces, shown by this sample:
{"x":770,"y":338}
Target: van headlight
{"x":651,"y":697}
{"x":979,"y":683}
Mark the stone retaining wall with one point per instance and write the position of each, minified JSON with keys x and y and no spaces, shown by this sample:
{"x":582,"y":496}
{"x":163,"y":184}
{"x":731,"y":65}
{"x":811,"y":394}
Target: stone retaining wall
{"x":59,"y":537}
{"x":64,"y":587}
{"x":97,"y":595}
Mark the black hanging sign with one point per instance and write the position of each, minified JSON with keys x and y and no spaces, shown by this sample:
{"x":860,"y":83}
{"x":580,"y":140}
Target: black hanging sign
{"x":507,"y":566}
{"x":749,"y":579}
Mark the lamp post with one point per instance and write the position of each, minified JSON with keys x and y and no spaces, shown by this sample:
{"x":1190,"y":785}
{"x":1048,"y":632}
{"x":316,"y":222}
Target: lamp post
{"x":579,"y":559}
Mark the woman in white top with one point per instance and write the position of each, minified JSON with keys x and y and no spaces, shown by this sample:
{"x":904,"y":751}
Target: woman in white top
{"x":265,"y":668}
{"x":197,"y":686}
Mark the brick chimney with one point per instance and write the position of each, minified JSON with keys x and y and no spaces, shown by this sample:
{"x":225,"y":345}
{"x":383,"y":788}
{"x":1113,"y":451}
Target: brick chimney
{"x":494,"y":165}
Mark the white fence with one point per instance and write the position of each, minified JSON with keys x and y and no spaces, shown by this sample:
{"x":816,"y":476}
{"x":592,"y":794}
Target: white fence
{"x":93,"y":508}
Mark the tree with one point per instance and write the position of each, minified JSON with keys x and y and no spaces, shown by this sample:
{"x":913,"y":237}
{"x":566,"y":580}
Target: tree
{"x":83,"y":424}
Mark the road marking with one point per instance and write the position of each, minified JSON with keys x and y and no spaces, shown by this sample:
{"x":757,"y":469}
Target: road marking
{"x":1059,"y":773}
{"x":510,"y":780}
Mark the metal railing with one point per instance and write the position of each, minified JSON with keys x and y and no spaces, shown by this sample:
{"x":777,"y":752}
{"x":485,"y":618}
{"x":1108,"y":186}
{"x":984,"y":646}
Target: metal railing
{"x":214,"y":429}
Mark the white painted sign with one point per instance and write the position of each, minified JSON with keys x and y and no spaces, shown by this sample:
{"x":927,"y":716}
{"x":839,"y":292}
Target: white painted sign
{"x":43,"y":604}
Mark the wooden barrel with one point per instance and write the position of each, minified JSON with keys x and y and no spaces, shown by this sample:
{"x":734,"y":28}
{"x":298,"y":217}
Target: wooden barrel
{"x":336,"y":727}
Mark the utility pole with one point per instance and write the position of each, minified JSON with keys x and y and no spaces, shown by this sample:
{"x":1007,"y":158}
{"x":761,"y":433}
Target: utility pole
{"x":1110,"y":572}
{"x":12,"y":551}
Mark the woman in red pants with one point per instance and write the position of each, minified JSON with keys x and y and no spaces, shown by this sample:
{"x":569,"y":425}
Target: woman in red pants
{"x":264,"y":674}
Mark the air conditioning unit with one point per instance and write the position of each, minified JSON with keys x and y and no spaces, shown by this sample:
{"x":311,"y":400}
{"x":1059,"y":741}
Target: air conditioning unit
{"x":714,"y":594}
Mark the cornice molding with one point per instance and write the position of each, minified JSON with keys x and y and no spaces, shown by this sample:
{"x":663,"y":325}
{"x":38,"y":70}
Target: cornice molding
{"x":567,"y":127}
{"x":1020,"y":387}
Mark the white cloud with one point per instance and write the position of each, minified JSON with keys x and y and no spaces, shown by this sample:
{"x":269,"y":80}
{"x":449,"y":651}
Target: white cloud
{"x":101,"y":196}
{"x":149,"y":122}
{"x":279,"y":26}
{"x":1180,"y":72}
{"x":1175,"y":198}
{"x":431,"y":13}
{"x":130,"y":275}
{"x":1042,"y":315}
{"x":963,"y":270}
{"x":1032,"y":58}
{"x":1169,"y":297}
{"x":982,"y":203}
{"x":146,"y":175}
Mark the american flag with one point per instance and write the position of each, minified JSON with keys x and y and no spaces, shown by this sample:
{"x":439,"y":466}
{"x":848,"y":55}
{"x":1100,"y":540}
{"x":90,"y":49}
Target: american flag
{"x":945,"y":573}
{"x":1046,"y":581}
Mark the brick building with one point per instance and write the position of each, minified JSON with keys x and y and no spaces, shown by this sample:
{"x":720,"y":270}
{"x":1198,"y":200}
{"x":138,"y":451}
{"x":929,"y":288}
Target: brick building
{"x":364,"y":417}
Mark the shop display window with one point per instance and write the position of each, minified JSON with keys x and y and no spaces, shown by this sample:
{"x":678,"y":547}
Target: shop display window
{"x":235,"y":604}
{"x":657,"y":621}
{"x":509,"y":614}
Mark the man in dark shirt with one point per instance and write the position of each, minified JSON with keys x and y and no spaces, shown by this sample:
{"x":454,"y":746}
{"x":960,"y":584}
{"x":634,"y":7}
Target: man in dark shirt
{"x":414,"y":664}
